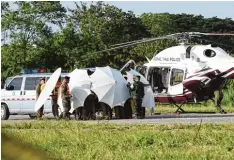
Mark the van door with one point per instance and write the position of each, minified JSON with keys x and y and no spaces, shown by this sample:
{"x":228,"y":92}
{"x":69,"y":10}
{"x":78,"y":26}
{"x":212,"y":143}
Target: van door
{"x":176,"y":78}
{"x":13,"y":95}
{"x":29,"y":94}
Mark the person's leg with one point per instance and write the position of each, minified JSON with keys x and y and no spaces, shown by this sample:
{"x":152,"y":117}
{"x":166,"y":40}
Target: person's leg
{"x":65,"y":107}
{"x":143,"y":112}
{"x":217,"y":100}
{"x":137,"y":107}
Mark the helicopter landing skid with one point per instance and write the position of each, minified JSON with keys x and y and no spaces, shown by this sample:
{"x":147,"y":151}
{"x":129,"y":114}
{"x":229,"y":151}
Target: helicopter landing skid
{"x":179,"y":107}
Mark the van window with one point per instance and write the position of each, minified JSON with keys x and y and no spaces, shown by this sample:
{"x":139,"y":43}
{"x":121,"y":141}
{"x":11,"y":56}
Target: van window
{"x":16,"y":83}
{"x":31,"y":82}
{"x":176,"y":76}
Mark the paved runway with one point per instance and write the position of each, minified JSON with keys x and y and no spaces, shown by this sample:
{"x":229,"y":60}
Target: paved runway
{"x":187,"y":118}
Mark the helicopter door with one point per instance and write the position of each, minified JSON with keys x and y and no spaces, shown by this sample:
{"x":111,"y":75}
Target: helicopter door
{"x":141,"y":69}
{"x":176,"y":78}
{"x":129,"y":65}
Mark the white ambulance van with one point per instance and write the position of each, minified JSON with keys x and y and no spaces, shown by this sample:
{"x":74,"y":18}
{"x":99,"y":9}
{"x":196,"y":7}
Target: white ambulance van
{"x":18,"y":97}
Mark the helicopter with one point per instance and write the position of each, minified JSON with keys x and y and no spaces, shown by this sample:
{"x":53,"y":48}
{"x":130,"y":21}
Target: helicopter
{"x":186,"y":73}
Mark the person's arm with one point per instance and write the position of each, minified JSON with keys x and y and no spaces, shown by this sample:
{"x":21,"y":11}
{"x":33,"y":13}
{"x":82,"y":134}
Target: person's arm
{"x":37,"y":91}
{"x":145,"y":85}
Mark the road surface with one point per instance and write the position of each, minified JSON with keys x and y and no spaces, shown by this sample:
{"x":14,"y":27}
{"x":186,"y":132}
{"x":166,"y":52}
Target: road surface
{"x":187,"y":118}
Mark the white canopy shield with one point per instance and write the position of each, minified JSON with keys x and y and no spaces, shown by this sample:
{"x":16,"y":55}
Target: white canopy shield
{"x":79,"y":96}
{"x":79,"y":78}
{"x":148,"y":99}
{"x":46,"y":92}
{"x":110,"y":86}
{"x":79,"y":86}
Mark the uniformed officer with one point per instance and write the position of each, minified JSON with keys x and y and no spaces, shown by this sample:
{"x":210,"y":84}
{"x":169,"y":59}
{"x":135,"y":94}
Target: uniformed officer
{"x":217,"y":85}
{"x":39,"y":89}
{"x":66,"y":97}
{"x":127,"y":109}
{"x":137,"y":94}
{"x":55,"y":105}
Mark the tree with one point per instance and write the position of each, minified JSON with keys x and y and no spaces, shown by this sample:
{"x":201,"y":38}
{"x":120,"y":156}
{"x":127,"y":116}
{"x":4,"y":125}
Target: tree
{"x":28,"y":25}
{"x":102,"y":25}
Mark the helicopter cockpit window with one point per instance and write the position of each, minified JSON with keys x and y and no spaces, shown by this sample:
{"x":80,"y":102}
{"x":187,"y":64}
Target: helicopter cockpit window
{"x":176,"y":76}
{"x":209,"y":53}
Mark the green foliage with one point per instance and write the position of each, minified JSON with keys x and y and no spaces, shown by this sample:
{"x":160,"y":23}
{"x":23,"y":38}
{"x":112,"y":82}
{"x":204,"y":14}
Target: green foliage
{"x":229,"y":94}
{"x":66,"y":140}
{"x":28,"y":28}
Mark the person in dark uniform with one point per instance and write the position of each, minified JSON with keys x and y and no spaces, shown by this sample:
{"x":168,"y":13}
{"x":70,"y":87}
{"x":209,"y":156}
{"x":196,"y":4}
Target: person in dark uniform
{"x":66,"y":97}
{"x":127,"y":109}
{"x":137,"y":94}
{"x":217,"y":84}
{"x":39,"y":89}
{"x":54,"y":96}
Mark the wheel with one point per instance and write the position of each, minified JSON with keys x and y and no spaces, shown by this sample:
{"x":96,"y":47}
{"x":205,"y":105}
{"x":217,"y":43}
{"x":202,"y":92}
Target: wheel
{"x":32,"y":116}
{"x":4,"y":112}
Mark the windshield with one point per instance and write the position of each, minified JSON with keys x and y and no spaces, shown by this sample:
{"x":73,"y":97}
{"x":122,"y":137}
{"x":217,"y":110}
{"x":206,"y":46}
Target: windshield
{"x":3,"y":84}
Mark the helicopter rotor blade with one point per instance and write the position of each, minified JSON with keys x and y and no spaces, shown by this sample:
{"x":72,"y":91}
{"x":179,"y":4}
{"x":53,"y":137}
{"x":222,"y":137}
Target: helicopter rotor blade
{"x":218,"y":34}
{"x":216,"y":42}
{"x":210,"y":34}
{"x":115,"y":45}
{"x":127,"y":44}
{"x":171,"y":36}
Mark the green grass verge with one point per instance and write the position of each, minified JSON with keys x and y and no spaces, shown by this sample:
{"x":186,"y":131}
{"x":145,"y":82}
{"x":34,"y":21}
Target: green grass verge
{"x":191,"y":108}
{"x":71,"y":141}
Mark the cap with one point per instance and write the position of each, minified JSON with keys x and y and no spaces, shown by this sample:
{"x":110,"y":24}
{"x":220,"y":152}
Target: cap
{"x":67,"y":78}
{"x":42,"y":78}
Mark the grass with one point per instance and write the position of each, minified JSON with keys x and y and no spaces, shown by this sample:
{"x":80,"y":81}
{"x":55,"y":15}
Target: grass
{"x":192,"y":108}
{"x":71,"y":141}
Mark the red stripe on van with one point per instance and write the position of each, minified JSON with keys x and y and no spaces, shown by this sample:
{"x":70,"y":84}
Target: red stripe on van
{"x":22,"y":99}
{"x":3,"y":99}
{"x":18,"y":99}
{"x":8,"y":99}
{"x":13,"y":99}
{"x":28,"y":98}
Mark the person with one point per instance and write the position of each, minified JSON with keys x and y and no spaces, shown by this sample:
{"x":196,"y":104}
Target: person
{"x":137,"y":94}
{"x":217,"y":84}
{"x":39,"y":89}
{"x":88,"y":111}
{"x":66,"y":97}
{"x":55,"y":105}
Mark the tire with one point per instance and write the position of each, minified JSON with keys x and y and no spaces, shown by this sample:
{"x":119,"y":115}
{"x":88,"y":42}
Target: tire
{"x":4,"y":112}
{"x":32,"y":116}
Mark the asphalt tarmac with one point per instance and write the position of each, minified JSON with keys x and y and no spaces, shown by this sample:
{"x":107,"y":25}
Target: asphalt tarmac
{"x":185,"y":118}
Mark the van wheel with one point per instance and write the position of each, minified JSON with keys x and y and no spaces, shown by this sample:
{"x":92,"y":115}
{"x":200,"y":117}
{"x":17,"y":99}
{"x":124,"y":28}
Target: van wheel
{"x":4,"y":112}
{"x":32,"y":116}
